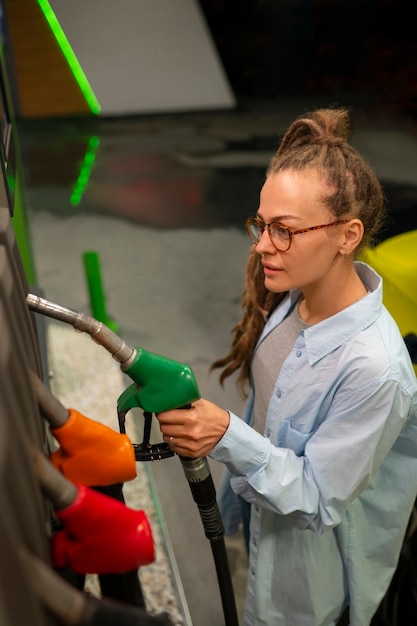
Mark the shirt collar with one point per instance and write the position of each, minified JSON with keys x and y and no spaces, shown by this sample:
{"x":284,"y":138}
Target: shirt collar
{"x":330,"y":334}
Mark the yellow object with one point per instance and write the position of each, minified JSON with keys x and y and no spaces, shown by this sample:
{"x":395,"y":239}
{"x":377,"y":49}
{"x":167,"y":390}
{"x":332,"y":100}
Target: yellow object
{"x":91,"y":453}
{"x":395,"y":260}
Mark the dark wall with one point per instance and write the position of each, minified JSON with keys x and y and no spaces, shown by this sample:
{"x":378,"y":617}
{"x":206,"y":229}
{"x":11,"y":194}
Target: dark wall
{"x":271,"y":47}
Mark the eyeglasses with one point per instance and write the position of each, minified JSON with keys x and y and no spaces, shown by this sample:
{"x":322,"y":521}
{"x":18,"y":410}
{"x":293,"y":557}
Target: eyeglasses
{"x":280,"y":235}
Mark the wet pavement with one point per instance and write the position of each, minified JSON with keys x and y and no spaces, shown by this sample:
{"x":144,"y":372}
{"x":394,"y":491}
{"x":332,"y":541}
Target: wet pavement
{"x":163,"y":201}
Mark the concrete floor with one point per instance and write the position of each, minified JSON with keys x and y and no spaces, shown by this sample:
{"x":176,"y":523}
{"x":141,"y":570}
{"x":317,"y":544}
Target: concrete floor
{"x":163,"y":200}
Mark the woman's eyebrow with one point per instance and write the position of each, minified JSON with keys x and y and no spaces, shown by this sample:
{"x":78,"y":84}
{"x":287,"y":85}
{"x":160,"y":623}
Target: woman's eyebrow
{"x":279,"y":218}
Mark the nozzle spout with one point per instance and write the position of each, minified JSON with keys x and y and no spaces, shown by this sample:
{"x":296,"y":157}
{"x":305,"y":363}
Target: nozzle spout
{"x":98,"y":331}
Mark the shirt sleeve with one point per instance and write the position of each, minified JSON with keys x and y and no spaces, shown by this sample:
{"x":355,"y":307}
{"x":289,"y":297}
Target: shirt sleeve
{"x":338,"y":461}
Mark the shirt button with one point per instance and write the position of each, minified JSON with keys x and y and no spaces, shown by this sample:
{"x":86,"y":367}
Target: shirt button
{"x":298,"y":353}
{"x":278,"y":392}
{"x":268,"y":432}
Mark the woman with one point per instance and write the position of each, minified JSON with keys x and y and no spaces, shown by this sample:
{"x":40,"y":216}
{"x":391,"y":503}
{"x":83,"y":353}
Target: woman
{"x":326,"y":453}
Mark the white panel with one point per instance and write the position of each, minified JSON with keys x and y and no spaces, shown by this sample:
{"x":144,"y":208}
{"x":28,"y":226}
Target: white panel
{"x":146,"y":56}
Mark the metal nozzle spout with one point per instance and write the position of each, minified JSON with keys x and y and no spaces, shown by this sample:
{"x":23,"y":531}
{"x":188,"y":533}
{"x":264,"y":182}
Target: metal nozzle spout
{"x":98,"y":331}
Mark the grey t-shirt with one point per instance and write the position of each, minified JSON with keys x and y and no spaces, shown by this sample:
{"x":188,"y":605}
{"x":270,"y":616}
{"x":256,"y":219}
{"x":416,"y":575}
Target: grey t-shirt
{"x":267,"y":363}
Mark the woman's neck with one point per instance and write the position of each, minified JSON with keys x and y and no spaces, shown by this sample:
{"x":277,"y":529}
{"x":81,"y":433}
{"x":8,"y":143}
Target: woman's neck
{"x":318,"y":304}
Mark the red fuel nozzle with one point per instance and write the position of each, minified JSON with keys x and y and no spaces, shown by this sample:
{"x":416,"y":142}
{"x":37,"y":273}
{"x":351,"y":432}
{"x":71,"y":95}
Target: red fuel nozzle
{"x":101,"y":536}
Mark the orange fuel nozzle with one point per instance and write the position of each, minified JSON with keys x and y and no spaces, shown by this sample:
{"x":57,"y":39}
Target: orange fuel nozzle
{"x":90,"y":452}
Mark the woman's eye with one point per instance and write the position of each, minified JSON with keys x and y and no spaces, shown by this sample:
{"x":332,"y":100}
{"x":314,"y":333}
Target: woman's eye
{"x":278,"y":230}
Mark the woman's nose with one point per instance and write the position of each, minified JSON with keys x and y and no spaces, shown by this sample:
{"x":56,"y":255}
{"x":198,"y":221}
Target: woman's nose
{"x":265,"y":244}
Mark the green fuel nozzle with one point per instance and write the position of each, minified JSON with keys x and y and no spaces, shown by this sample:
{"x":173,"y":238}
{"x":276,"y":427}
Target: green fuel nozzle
{"x":159,"y":383}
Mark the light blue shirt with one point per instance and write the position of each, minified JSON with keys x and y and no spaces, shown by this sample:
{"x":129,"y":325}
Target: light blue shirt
{"x":334,"y":478}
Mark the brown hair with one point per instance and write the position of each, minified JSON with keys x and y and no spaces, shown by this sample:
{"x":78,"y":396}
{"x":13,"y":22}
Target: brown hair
{"x":319,"y":141}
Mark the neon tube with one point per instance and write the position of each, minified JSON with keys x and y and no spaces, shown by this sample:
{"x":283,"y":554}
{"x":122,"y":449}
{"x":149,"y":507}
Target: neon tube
{"x":70,"y":57}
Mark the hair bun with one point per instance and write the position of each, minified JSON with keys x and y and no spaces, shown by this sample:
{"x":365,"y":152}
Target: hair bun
{"x":322,"y":127}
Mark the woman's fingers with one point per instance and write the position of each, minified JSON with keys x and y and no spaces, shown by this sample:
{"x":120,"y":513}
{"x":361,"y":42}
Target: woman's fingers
{"x":194,"y":431}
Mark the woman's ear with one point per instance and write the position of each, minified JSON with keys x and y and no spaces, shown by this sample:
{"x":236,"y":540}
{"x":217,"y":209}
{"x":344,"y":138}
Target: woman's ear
{"x":353,"y":233}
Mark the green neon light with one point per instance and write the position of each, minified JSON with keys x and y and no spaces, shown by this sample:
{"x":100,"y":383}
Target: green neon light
{"x":85,"y":171}
{"x":69,"y":55}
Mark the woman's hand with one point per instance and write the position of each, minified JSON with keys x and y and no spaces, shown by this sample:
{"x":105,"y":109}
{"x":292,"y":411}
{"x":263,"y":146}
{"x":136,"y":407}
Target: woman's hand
{"x":194,"y":432}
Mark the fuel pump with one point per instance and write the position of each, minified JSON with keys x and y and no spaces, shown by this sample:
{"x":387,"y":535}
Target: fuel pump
{"x":159,"y":384}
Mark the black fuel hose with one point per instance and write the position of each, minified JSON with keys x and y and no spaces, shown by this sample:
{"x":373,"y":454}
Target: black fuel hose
{"x":202,"y":487}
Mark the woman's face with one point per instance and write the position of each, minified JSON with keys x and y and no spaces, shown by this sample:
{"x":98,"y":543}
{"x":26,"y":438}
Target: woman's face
{"x":294,"y":199}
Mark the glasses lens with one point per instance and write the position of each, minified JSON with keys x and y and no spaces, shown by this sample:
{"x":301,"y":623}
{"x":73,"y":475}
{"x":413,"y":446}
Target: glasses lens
{"x":280,"y":237}
{"x":254,"y":230}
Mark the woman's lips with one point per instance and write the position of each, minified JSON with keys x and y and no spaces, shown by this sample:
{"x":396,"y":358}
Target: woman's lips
{"x":269,"y":270}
